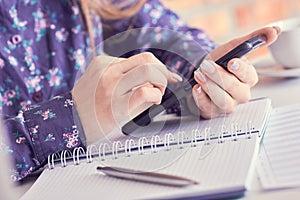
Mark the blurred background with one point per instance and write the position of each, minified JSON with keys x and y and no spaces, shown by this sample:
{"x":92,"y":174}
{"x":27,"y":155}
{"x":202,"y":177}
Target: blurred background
{"x":226,"y":19}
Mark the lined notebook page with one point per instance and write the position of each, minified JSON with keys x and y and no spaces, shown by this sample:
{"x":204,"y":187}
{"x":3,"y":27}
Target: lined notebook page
{"x":223,"y":164}
{"x":279,"y":157}
{"x":226,"y":167}
{"x":250,"y":115}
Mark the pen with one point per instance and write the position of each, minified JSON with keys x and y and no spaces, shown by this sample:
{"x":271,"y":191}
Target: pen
{"x":150,"y":177}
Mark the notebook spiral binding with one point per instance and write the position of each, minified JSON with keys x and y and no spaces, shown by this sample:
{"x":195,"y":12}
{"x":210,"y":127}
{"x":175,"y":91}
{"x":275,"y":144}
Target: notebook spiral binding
{"x":154,"y":143}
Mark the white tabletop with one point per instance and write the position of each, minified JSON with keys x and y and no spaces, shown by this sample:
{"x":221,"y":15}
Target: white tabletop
{"x":282,"y":91}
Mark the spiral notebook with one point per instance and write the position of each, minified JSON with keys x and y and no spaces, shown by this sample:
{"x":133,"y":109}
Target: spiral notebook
{"x":219,"y":154}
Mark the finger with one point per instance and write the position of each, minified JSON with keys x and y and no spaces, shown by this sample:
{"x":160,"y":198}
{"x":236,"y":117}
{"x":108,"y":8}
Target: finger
{"x":146,"y":58}
{"x":239,"y":91}
{"x":141,"y":99}
{"x":106,"y":59}
{"x":137,"y":60}
{"x":143,"y":85}
{"x":100,"y":64}
{"x":223,"y":100}
{"x":140,"y":76}
{"x":270,"y":32}
{"x":244,"y":71}
{"x":143,"y":95}
{"x":206,"y":108}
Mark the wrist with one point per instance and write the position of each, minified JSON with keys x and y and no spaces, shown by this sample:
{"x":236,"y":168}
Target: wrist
{"x":86,"y":114}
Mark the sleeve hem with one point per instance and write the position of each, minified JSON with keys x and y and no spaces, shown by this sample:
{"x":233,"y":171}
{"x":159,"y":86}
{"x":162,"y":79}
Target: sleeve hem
{"x":54,"y":126}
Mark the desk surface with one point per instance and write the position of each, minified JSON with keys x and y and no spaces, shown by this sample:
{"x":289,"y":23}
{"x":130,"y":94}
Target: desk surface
{"x":282,"y":91}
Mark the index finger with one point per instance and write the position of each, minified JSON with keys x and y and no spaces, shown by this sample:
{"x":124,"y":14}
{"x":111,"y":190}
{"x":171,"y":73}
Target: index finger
{"x":146,"y":58}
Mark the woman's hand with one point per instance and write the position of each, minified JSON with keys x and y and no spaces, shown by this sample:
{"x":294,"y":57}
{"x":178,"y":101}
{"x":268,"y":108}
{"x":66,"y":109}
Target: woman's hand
{"x":219,"y":92}
{"x":114,"y":90}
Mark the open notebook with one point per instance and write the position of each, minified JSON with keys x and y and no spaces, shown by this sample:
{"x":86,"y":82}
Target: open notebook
{"x":279,"y":156}
{"x":217,"y":153}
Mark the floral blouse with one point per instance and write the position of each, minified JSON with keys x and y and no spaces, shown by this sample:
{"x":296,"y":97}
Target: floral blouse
{"x":44,"y":46}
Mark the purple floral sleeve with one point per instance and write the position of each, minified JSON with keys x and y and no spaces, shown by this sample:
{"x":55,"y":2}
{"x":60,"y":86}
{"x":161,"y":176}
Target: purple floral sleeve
{"x":159,"y":30}
{"x":44,"y":46}
{"x":41,"y":130}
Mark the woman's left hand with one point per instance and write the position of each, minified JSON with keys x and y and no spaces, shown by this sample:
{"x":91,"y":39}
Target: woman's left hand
{"x":218,"y":91}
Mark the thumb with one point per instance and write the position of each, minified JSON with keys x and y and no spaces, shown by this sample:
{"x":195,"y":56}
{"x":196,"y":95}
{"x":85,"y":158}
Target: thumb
{"x":271,"y":34}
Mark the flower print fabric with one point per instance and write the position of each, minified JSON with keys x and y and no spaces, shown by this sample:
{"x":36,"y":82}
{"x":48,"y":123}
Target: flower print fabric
{"x":40,"y":54}
{"x":45,"y":46}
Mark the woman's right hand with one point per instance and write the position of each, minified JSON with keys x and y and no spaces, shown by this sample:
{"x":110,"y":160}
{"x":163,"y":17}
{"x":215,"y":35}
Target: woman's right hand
{"x":114,"y":90}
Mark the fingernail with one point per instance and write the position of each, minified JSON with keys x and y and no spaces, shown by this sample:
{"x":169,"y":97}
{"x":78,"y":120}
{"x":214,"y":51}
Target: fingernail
{"x":200,"y":76}
{"x":235,"y":65}
{"x":207,"y":66}
{"x":277,"y":28}
{"x":177,"y":77}
{"x":198,"y":90}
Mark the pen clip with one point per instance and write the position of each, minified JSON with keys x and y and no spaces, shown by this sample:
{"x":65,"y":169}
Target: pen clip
{"x":150,"y":177}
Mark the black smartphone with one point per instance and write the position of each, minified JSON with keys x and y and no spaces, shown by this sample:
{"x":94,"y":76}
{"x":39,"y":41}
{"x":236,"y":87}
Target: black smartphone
{"x":145,"y":117}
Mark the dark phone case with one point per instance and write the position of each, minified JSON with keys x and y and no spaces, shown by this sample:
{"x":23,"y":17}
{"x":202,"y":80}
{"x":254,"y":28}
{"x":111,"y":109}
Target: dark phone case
{"x":145,"y":117}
